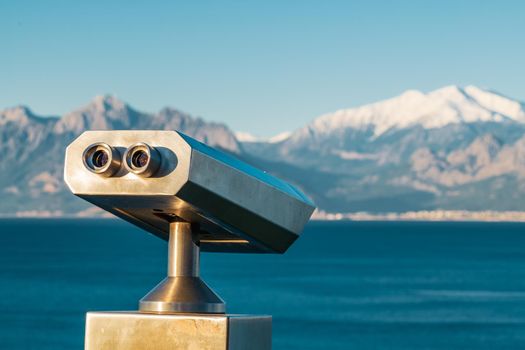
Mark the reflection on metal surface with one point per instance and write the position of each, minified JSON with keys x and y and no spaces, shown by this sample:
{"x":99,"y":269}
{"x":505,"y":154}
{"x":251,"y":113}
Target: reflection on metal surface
{"x":225,"y":241}
{"x":135,"y":331}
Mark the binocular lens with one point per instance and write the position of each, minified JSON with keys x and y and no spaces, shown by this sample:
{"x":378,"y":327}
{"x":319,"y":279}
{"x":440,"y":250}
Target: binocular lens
{"x":100,"y":158}
{"x":142,"y":159}
{"x":139,"y":159}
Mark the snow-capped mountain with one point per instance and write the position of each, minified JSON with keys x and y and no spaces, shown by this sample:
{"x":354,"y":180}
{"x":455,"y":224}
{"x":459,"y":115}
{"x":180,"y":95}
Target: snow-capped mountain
{"x":453,"y":148}
{"x":445,"y":106}
{"x":243,"y":136}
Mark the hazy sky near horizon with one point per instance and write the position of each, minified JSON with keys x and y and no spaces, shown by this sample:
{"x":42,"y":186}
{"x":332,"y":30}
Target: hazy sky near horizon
{"x":262,"y":67}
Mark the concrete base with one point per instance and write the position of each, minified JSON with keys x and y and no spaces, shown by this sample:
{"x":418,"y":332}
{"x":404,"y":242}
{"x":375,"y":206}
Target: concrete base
{"x":133,"y":330}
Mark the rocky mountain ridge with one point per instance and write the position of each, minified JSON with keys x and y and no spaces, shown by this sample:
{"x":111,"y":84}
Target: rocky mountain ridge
{"x":31,"y":166}
{"x":452,"y":149}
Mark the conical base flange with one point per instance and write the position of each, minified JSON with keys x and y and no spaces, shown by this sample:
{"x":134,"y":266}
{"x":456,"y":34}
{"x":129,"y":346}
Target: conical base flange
{"x":182,"y":294}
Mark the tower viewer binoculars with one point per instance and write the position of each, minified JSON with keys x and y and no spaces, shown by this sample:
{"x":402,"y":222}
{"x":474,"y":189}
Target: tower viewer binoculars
{"x":198,"y":199}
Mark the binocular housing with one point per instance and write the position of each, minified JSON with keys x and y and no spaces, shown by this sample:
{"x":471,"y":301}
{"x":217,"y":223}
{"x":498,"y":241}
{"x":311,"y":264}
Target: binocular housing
{"x":154,"y":178}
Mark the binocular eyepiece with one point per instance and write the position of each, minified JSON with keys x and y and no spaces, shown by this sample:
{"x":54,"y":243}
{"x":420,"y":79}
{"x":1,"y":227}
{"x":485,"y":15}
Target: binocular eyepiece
{"x":105,"y":160}
{"x":102,"y":159}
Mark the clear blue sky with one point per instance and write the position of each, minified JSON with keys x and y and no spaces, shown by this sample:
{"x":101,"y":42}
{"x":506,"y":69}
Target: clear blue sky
{"x":262,"y":67}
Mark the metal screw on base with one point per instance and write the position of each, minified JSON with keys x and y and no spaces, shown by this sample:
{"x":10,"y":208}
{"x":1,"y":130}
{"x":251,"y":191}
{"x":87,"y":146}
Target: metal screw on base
{"x":183,"y":291}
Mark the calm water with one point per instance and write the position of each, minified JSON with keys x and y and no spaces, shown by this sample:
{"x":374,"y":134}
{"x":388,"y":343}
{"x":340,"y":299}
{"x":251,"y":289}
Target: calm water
{"x":341,"y":286}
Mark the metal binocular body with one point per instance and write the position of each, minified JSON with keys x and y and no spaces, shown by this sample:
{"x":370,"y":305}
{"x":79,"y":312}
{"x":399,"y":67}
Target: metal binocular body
{"x":197,"y":198}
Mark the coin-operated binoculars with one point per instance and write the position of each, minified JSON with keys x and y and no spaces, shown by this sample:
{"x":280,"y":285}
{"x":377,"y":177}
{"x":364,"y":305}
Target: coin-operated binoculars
{"x":198,"y":199}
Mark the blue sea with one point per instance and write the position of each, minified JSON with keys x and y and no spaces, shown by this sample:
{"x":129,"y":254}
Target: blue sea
{"x":343,"y":285}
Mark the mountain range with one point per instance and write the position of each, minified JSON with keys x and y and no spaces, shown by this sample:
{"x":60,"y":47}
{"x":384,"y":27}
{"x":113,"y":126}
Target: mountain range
{"x":453,"y":148}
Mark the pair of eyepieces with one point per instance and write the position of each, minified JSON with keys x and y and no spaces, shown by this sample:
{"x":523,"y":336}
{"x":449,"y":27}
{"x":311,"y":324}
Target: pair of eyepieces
{"x":105,"y":160}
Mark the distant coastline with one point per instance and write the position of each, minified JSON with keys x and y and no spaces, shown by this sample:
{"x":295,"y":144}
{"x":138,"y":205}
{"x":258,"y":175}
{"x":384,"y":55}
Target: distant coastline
{"x":320,"y":215}
{"x":424,"y":215}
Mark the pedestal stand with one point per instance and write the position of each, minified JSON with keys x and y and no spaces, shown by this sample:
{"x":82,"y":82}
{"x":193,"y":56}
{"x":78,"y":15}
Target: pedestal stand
{"x":181,"y":312}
